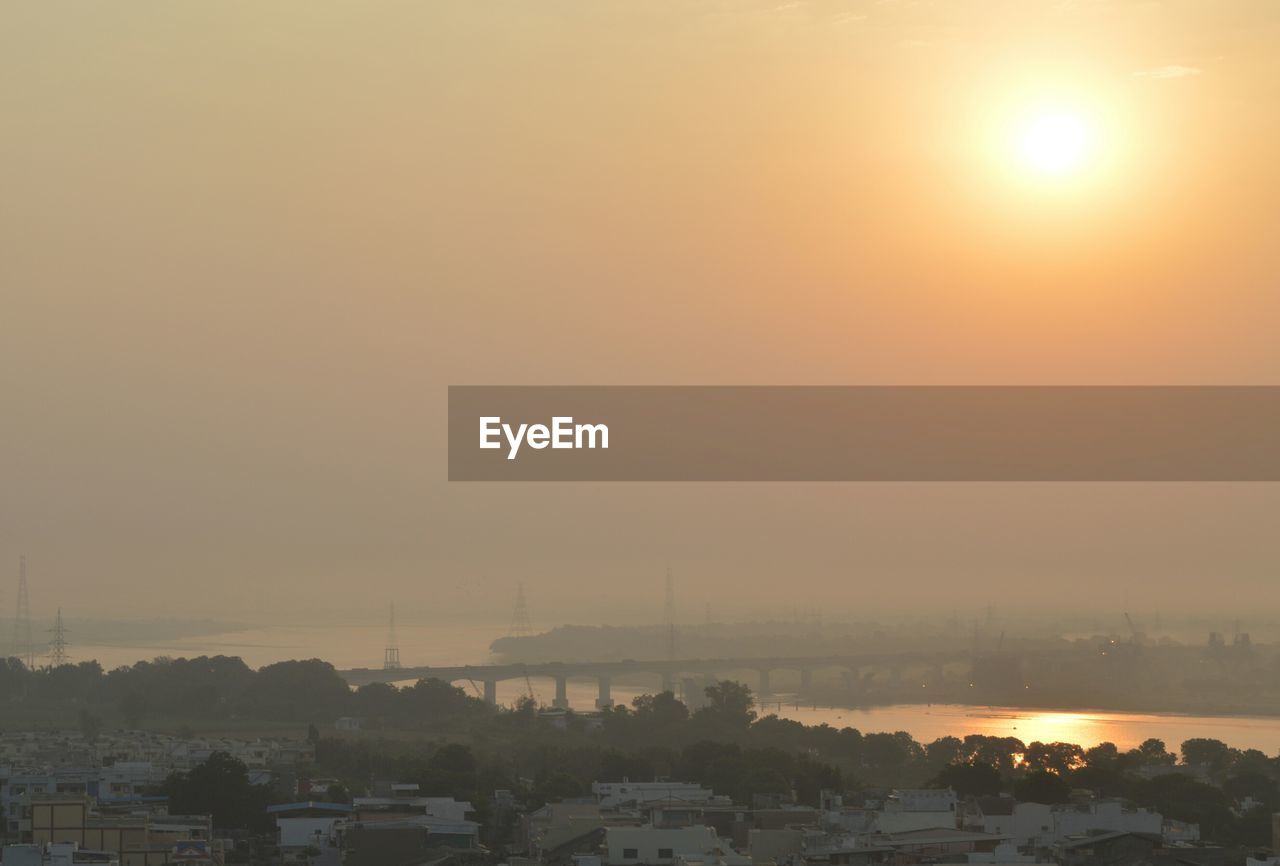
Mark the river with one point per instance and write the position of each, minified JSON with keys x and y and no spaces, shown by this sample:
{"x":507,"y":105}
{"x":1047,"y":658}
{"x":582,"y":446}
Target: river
{"x":457,"y":644}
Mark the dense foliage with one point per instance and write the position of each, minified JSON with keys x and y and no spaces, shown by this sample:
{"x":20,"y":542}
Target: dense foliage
{"x":468,"y":749}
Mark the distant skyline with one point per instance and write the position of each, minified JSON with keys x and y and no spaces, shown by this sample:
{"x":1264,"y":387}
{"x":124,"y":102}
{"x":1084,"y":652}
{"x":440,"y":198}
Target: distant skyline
{"x":244,"y":250}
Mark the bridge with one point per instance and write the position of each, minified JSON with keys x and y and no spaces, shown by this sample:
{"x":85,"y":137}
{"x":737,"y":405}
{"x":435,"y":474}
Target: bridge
{"x":667,"y":671}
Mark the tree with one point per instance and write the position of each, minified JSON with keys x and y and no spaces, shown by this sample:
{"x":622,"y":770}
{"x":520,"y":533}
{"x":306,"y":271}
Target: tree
{"x":660,"y":710}
{"x":1102,"y":755}
{"x":453,"y":758}
{"x":1253,"y":786}
{"x":810,"y":778}
{"x":556,"y":785}
{"x":888,"y":755}
{"x":1003,"y":753}
{"x":1104,"y":770}
{"x":1182,"y":798}
{"x":969,"y":780}
{"x":219,"y":787}
{"x":762,"y":780}
{"x":1201,"y":751}
{"x":1055,"y":757}
{"x":616,"y":766}
{"x":90,"y":726}
{"x":730,"y":702}
{"x":1152,"y":752}
{"x":297,"y":690}
{"x":133,"y":706}
{"x":1255,"y":827}
{"x":1042,"y":786}
{"x":434,"y":700}
{"x":451,"y":772}
{"x":718,"y":765}
{"x":945,"y":750}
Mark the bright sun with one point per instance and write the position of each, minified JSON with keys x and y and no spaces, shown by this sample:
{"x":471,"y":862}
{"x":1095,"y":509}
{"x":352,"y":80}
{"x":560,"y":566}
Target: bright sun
{"x":1054,"y":142}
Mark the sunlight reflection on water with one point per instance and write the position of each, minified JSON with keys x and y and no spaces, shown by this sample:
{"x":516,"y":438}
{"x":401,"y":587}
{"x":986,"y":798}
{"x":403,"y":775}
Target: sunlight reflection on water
{"x":456,"y":644}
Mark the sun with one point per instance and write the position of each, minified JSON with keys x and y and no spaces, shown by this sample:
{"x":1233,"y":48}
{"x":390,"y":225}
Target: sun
{"x":1054,"y":142}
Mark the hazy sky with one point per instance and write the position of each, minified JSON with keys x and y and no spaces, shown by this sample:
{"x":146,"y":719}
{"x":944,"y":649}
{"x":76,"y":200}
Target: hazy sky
{"x":245,"y":246}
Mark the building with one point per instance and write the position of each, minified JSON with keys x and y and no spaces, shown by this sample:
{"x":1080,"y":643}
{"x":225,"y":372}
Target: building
{"x":654,"y":846}
{"x":917,"y":809}
{"x":405,"y":825}
{"x":555,"y":824}
{"x":624,"y":794}
{"x":1036,"y":827}
{"x":938,"y":843}
{"x":135,"y":840}
{"x":68,"y":854}
{"x":308,"y":824}
{"x":1105,"y":849}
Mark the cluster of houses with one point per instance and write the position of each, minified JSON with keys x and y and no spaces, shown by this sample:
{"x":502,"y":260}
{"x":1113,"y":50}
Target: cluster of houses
{"x":664,"y":823}
{"x":661,"y":824}
{"x":397,"y":825}
{"x":67,"y":800}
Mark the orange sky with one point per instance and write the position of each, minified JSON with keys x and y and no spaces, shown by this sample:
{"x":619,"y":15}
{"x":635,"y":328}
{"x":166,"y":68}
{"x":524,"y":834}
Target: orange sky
{"x":244,"y":247}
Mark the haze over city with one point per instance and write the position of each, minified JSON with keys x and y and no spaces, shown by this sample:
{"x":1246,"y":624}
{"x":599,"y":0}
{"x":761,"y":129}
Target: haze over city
{"x":302,"y":561}
{"x":232,"y":318}
{"x":244,"y":254}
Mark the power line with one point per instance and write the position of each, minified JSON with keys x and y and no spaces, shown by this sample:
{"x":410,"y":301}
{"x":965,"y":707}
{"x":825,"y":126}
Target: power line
{"x":521,"y":625}
{"x":22,"y":647}
{"x":670,"y":615}
{"x":391,"y":655}
{"x":58,"y":646}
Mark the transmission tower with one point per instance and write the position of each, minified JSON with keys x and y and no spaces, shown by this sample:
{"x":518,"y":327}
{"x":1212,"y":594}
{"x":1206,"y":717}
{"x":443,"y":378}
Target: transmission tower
{"x":670,"y":615}
{"x":22,"y":648}
{"x":58,"y":646}
{"x":521,"y":626}
{"x":391,"y":655}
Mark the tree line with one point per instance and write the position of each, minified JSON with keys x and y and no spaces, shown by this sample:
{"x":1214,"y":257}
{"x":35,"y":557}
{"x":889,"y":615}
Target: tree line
{"x":468,"y":748}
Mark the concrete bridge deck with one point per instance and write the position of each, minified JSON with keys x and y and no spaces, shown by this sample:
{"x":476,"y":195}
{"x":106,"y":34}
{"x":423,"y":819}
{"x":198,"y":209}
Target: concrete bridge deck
{"x":668,"y":670}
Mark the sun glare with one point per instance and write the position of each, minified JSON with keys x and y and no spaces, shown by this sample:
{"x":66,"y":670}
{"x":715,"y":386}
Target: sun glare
{"x":1054,"y":142}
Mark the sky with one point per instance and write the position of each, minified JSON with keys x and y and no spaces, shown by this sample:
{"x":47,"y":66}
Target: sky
{"x":245,"y":247}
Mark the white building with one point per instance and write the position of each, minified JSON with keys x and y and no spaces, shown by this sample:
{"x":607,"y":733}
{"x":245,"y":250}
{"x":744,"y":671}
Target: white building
{"x":443,"y":808}
{"x":651,"y":846}
{"x":615,"y":795}
{"x":63,"y":854}
{"x":301,"y":832}
{"x":917,"y":809}
{"x":1039,"y":826}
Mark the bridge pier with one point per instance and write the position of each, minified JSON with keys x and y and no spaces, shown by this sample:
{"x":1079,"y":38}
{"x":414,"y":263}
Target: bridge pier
{"x":562,"y":694}
{"x":605,"y":699}
{"x":806,"y":680}
{"x":693,"y":694}
{"x":490,"y":691}
{"x":668,"y":681}
{"x":764,"y":683}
